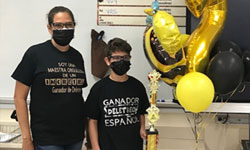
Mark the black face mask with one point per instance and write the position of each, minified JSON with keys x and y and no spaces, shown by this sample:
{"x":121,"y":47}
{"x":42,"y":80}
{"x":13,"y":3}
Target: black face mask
{"x":63,"y":37}
{"x":120,"y":67}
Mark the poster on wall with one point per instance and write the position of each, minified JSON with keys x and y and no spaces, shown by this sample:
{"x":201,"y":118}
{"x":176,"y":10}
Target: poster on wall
{"x":131,"y":12}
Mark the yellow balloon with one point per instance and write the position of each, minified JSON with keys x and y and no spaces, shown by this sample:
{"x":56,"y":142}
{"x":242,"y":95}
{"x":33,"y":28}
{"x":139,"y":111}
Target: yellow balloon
{"x":195,"y":92}
{"x":149,"y":11}
{"x":167,"y":32}
{"x":162,"y":42}
{"x":151,"y":54}
{"x":196,"y":7}
{"x":205,"y":35}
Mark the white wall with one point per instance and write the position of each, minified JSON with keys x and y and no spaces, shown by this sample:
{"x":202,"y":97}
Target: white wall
{"x":23,"y":23}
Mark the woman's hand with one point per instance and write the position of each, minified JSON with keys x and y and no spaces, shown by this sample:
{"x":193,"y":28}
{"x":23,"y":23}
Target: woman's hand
{"x":27,"y":144}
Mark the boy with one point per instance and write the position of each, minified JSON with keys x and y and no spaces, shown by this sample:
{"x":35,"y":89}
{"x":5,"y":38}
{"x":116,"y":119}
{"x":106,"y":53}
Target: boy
{"x":116,"y":104}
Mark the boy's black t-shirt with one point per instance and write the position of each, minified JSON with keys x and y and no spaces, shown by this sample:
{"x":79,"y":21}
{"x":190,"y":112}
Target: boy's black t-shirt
{"x":117,"y":106}
{"x":56,"y":80}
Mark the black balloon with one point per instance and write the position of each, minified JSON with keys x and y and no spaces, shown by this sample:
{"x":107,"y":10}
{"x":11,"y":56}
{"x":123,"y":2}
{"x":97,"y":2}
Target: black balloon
{"x":226,"y":70}
{"x":246,"y":61}
{"x":225,"y":45}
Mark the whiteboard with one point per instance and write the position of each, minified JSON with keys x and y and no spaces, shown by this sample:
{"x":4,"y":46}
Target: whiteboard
{"x":23,"y":23}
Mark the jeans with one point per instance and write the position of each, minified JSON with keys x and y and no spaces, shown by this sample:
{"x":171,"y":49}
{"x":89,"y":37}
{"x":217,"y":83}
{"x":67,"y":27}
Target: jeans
{"x":75,"y":146}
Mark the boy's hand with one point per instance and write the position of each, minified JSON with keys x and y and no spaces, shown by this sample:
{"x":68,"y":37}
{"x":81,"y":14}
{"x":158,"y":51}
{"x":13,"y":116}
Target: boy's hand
{"x":143,"y":133}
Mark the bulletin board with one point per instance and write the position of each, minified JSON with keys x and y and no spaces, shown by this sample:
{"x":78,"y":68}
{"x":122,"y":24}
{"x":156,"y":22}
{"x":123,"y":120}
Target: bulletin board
{"x":131,"y":12}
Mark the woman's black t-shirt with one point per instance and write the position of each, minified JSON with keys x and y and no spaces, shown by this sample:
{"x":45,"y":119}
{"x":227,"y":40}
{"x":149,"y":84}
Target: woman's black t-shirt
{"x":117,"y":106}
{"x":56,"y":80}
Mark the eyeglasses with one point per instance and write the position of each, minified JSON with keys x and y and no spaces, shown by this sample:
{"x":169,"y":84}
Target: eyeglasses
{"x":118,"y":57}
{"x":67,"y":25}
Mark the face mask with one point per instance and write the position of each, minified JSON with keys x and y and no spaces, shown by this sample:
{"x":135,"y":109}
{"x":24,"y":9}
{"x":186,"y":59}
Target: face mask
{"x":63,"y":37}
{"x":120,"y":67}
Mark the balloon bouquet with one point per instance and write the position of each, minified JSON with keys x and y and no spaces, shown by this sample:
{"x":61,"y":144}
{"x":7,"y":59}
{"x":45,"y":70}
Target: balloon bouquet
{"x":184,"y":61}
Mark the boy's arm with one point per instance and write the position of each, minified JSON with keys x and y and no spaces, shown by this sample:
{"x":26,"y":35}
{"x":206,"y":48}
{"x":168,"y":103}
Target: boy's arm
{"x":142,"y":129}
{"x":93,"y":133}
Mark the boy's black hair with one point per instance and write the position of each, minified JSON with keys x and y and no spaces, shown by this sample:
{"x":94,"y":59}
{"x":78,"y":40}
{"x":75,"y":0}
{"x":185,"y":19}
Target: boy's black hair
{"x":117,"y":44}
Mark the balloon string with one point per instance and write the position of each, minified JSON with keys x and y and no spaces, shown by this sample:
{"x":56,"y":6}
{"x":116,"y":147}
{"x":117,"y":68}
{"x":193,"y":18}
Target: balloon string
{"x":203,"y":124}
{"x":197,"y":121}
{"x":199,"y":124}
{"x":222,"y":104}
{"x":233,"y":93}
{"x":194,"y":127}
{"x":243,"y":88}
{"x":189,"y":122}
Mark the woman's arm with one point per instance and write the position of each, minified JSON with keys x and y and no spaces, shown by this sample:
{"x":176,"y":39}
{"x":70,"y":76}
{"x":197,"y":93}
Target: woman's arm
{"x":20,"y":98}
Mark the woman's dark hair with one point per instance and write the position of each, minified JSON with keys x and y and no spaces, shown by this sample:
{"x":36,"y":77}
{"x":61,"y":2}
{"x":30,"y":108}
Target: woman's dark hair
{"x":58,"y":9}
{"x":117,"y":44}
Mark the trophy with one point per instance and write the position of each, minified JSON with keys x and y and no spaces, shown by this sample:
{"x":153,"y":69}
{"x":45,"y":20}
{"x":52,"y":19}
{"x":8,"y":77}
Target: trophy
{"x":153,"y":111}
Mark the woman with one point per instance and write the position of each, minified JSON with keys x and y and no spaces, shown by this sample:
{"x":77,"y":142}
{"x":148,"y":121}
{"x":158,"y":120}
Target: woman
{"x":54,"y":73}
